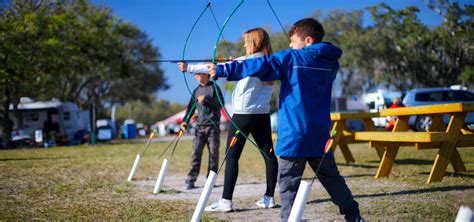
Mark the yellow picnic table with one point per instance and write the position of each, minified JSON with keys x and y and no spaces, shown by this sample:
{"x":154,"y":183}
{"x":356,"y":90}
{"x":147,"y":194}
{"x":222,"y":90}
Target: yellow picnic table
{"x":439,"y":136}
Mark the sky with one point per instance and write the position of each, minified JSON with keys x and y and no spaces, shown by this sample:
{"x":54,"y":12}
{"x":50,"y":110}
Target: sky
{"x":168,"y":22}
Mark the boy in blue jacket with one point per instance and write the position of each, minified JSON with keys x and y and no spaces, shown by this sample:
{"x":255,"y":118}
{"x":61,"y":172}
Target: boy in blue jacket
{"x":306,"y":72}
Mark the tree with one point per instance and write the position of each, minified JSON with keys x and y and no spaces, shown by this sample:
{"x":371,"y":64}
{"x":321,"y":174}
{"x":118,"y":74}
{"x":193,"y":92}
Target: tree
{"x":73,"y":51}
{"x":344,"y":29}
{"x":21,"y":28}
{"x":451,"y":47}
{"x":407,"y":54}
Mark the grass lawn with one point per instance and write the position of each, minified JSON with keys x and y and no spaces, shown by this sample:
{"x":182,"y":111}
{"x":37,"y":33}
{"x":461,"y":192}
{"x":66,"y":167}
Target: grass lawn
{"x":89,"y":182}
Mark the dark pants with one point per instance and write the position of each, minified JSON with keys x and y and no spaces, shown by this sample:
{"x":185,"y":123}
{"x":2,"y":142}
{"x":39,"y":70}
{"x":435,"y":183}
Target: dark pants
{"x":204,"y":135}
{"x":291,"y":172}
{"x":259,"y":126}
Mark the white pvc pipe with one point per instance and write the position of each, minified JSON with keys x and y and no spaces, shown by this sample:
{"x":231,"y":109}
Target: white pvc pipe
{"x":161,"y":176}
{"x":300,"y":201}
{"x":134,"y":168}
{"x":464,"y":214}
{"x":206,"y":192}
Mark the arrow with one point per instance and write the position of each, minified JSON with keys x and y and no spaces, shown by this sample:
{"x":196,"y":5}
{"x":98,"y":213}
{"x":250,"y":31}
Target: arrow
{"x":185,"y":60}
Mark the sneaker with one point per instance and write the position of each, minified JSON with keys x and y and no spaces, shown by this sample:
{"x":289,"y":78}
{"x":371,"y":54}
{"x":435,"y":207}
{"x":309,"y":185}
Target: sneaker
{"x":222,"y":205}
{"x":266,"y":202}
{"x":189,"y":184}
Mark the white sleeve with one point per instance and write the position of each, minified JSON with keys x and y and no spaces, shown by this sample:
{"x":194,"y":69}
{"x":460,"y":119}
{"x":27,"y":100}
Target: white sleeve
{"x":198,"y":68}
{"x":202,"y":68}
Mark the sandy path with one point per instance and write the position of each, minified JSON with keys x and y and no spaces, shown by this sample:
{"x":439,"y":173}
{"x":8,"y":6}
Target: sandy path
{"x":245,"y":195}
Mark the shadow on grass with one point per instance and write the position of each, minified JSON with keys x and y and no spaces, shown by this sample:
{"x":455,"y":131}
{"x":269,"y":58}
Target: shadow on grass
{"x":358,"y":165}
{"x":358,"y":175}
{"x":405,"y":192}
{"x":252,"y":209}
{"x":35,"y":158}
{"x":218,"y":185}
{"x":345,"y":176}
{"x":170,"y":191}
{"x":408,"y":161}
{"x":237,"y":184}
{"x":455,"y":175}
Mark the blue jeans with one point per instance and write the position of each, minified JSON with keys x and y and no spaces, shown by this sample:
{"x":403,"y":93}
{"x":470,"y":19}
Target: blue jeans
{"x":290,"y":174}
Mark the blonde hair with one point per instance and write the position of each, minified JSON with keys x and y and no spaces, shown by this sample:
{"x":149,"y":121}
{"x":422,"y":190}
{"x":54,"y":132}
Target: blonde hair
{"x":259,"y":41}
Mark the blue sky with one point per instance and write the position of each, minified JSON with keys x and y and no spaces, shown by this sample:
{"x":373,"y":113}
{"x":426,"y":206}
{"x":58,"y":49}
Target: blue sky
{"x":167,"y":23}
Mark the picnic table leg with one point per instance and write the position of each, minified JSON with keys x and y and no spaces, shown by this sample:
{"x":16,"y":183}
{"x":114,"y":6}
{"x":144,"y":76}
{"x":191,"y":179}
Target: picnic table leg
{"x":457,"y":163}
{"x":441,"y":162}
{"x":386,"y":164}
{"x":390,"y":153}
{"x":339,"y":127}
{"x":437,"y":124}
{"x":369,"y":126}
{"x":346,"y":153}
{"x":447,"y":148}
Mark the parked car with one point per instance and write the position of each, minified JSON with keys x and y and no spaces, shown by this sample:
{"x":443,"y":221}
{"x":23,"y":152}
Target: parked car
{"x":432,"y":96}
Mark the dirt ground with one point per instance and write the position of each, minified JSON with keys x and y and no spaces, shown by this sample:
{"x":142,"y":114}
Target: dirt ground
{"x":245,"y":196}
{"x":90,"y":183}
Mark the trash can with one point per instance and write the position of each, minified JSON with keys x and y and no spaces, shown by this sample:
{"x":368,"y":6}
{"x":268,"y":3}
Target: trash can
{"x":129,"y":129}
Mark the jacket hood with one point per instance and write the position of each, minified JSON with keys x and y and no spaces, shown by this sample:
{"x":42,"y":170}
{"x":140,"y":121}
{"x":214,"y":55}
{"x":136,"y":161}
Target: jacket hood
{"x":325,"y":50}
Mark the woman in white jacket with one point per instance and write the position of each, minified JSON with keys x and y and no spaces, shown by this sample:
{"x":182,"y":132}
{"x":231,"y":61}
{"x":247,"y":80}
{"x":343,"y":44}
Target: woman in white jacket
{"x":251,"y":104}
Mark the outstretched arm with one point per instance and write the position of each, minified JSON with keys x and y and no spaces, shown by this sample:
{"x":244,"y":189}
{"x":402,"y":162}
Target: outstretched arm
{"x":267,"y":68}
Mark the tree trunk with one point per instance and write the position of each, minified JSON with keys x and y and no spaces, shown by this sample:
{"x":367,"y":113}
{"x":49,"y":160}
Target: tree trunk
{"x":7,"y":123}
{"x":19,"y":116}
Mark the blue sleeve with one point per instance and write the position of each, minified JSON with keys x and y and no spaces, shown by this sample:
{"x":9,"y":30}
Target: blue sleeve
{"x":267,"y":68}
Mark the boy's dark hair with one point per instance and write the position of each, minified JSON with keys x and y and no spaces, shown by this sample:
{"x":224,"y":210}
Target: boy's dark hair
{"x":308,"y":27}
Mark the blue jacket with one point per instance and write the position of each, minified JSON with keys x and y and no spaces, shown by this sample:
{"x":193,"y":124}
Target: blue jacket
{"x":306,"y":77}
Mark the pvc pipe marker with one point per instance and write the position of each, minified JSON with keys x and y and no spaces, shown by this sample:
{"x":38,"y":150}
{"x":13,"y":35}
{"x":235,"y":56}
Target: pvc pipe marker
{"x":161,"y":176}
{"x":134,"y":167}
{"x":206,"y":192}
{"x":300,"y":202}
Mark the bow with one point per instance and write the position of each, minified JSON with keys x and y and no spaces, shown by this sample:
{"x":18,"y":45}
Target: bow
{"x":239,"y":131}
{"x":180,"y":133}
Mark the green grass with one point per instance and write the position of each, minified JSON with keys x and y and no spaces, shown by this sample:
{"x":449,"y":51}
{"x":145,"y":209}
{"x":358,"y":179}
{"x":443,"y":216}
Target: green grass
{"x":89,"y":182}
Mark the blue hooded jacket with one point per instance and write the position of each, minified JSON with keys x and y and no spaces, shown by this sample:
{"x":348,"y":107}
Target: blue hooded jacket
{"x":306,"y":77}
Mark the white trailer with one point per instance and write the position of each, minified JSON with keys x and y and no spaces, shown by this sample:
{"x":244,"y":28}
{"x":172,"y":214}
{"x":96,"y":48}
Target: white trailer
{"x":63,"y":117}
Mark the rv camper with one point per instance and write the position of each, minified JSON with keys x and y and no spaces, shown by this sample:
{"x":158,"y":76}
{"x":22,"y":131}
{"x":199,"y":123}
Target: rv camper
{"x":63,"y":118}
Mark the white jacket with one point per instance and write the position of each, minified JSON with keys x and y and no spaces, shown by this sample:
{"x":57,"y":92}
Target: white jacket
{"x":250,"y":96}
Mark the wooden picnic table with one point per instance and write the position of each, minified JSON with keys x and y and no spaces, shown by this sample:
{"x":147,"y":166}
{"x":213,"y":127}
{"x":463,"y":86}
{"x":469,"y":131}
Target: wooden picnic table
{"x":344,"y":136}
{"x":439,"y":136}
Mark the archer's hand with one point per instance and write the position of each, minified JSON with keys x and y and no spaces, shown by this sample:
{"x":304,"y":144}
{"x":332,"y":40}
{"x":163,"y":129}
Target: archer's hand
{"x":212,"y":70}
{"x":183,"y":66}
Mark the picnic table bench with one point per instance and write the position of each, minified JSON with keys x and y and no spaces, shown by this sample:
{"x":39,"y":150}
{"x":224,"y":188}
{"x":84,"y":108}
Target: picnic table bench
{"x":439,"y":136}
